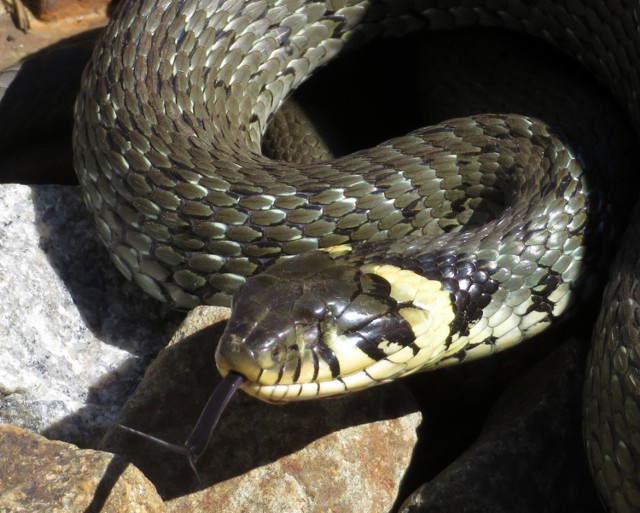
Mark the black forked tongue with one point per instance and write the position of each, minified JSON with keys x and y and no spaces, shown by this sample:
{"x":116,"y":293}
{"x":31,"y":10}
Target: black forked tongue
{"x":199,"y":438}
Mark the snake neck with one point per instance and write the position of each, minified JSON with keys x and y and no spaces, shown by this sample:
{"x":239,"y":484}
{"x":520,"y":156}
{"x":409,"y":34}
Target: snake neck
{"x":337,"y":321}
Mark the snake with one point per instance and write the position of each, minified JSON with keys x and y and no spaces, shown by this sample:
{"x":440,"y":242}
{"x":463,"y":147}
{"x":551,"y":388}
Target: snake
{"x":448,"y":244}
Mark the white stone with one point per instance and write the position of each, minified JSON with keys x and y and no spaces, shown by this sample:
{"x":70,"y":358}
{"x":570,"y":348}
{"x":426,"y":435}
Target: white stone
{"x":74,"y":335}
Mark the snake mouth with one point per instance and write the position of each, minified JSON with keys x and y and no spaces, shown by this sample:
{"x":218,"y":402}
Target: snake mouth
{"x":275,"y":382}
{"x":377,"y":373}
{"x":282,"y":393}
{"x":337,"y":365}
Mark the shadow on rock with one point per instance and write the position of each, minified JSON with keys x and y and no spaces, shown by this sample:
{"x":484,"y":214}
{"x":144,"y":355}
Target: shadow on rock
{"x":117,"y":311}
{"x":251,"y":433}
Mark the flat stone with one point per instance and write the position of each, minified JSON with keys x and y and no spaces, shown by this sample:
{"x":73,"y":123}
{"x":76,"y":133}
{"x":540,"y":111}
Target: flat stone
{"x":76,"y":336}
{"x":37,"y":474}
{"x":348,"y":454}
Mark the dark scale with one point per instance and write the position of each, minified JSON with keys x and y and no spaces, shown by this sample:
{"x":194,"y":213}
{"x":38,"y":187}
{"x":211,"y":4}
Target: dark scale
{"x":370,"y":318}
{"x":540,"y":294}
{"x":462,"y":354}
{"x":392,"y":328}
{"x":329,"y":357}
{"x":467,"y":280}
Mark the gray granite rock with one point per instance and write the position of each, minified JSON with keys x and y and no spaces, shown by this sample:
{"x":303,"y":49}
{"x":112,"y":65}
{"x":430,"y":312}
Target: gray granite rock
{"x":75,"y":336}
{"x":345,"y":455}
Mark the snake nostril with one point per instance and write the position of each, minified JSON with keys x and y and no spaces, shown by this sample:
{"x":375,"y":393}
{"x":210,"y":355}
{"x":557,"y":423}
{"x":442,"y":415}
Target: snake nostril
{"x":282,"y":353}
{"x":277,"y":354}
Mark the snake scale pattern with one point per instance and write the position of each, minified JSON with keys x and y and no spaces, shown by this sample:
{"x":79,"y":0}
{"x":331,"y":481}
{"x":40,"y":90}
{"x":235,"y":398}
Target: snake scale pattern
{"x":391,"y":279}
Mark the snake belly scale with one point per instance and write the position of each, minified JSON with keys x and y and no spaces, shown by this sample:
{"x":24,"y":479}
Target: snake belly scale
{"x":447,"y":244}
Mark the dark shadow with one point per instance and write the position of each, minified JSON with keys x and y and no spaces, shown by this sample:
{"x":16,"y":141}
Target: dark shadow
{"x":367,"y":96}
{"x":528,"y":431}
{"x":112,"y":473}
{"x":457,"y":401}
{"x":36,"y":113}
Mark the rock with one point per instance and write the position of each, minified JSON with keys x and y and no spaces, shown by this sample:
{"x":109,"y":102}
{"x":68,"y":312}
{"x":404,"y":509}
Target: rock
{"x":37,"y":474}
{"x":76,"y":336}
{"x":530,"y":456}
{"x":346,"y":454}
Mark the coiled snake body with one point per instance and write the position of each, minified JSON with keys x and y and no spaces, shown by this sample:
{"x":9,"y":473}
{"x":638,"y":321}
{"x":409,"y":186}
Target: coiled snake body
{"x":167,"y":148}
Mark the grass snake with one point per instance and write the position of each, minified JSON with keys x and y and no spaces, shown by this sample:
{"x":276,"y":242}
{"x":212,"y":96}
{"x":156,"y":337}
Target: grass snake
{"x":450,"y":243}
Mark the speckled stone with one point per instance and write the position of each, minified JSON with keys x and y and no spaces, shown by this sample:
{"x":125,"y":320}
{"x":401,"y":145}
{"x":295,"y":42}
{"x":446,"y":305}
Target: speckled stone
{"x":37,"y":474}
{"x":74,"y":335}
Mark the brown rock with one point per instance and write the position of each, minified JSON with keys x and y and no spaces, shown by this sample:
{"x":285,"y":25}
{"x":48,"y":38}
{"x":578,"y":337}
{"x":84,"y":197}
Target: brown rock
{"x":347,"y":454}
{"x":37,"y":474}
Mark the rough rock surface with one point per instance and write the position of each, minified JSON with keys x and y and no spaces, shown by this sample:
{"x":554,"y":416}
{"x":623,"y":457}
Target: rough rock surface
{"x":37,"y":474}
{"x":530,"y":455}
{"x":75,"y":336}
{"x":343,"y":455}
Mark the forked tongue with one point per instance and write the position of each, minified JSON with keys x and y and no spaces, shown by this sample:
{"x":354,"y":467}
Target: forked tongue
{"x":199,"y":438}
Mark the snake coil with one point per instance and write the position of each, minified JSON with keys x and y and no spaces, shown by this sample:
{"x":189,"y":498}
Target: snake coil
{"x":167,"y":141}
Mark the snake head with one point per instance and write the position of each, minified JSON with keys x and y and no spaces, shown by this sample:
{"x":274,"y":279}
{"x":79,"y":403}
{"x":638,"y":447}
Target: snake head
{"x":314,"y":325}
{"x":274,"y":335}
